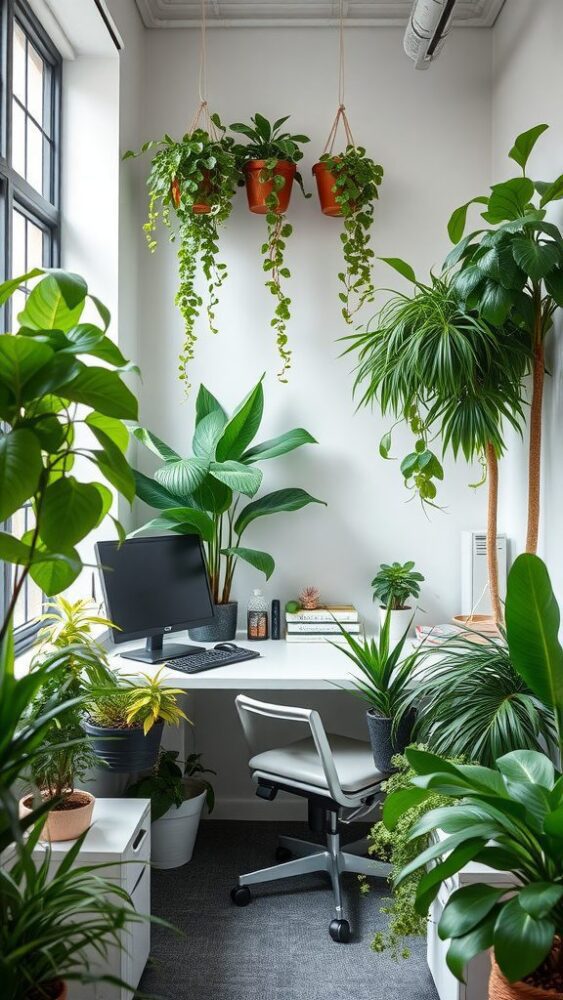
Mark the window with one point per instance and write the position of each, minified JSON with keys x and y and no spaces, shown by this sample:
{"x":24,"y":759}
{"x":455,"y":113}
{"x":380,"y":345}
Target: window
{"x":29,"y":203}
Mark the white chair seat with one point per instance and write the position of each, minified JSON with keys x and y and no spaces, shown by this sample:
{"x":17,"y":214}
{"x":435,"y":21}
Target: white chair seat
{"x":300,"y":761}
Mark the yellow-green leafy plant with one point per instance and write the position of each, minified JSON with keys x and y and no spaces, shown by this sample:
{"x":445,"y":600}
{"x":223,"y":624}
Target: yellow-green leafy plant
{"x":134,"y":705}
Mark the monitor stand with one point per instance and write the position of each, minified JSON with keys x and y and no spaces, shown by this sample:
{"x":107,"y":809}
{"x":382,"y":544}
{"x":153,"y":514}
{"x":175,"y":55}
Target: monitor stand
{"x":155,"y":651}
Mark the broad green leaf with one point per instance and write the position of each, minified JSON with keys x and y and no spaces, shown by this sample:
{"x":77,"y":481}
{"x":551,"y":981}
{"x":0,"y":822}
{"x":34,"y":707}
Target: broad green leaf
{"x":242,"y":427}
{"x":400,"y":266}
{"x":521,"y":942}
{"x":274,"y":503}
{"x":83,"y":338}
{"x":532,"y":629}
{"x":12,"y":550}
{"x":527,"y":765}
{"x":155,"y":444}
{"x":53,"y":572}
{"x":552,"y":192}
{"x":466,"y":908}
{"x":20,"y":359}
{"x":213,"y":496}
{"x":152,"y":493}
{"x":53,"y":377}
{"x":72,"y":286}
{"x":554,"y":285}
{"x":524,"y":144}
{"x":539,"y":898}
{"x":69,"y":512}
{"x":108,"y":351}
{"x":260,"y":560}
{"x":113,"y":464}
{"x":104,"y":391}
{"x":553,"y":823}
{"x":494,"y":302}
{"x":103,"y":311}
{"x":458,"y":218}
{"x":385,"y":445}
{"x":206,"y":403}
{"x":535,"y":259}
{"x":182,"y":477}
{"x":184,"y":520}
{"x":509,"y":200}
{"x":430,"y":883}
{"x":20,"y":469}
{"x":462,"y":949}
{"x":7,"y":288}
{"x":399,"y":802}
{"x":114,"y":429}
{"x":237,"y":477}
{"x":54,"y":303}
{"x":106,"y":497}
{"x":279,"y":445}
{"x":206,"y":435}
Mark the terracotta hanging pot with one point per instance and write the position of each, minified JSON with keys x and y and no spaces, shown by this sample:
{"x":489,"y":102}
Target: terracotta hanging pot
{"x":501,"y":989}
{"x":202,"y":204}
{"x":326,"y":182}
{"x":257,"y":190}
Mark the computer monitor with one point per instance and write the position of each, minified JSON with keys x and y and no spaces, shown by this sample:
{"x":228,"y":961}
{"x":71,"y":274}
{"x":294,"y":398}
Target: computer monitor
{"x":153,"y":586}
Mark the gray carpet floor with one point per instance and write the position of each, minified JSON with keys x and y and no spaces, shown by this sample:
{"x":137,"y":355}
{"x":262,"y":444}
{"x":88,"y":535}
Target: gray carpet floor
{"x":278,"y":947}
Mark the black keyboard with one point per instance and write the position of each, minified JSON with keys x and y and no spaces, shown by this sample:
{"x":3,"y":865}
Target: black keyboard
{"x":208,"y":659}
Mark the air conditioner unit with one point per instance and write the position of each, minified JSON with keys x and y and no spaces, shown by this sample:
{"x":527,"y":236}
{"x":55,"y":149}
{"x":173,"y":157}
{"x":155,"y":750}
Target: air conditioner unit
{"x":426,"y":31}
{"x":475,"y":596}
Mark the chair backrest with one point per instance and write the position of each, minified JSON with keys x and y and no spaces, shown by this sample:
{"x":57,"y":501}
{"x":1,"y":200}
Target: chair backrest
{"x":249,"y":708}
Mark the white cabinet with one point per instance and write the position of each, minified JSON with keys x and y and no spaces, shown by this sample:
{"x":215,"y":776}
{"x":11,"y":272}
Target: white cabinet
{"x":478,"y":969}
{"x":120,"y":836}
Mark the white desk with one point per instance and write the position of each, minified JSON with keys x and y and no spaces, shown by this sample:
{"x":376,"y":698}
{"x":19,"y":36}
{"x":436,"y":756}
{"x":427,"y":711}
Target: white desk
{"x":283,"y":666}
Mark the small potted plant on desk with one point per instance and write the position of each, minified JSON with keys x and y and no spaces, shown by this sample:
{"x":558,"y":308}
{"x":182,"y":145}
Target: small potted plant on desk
{"x":177,"y":799}
{"x":393,"y":586}
{"x":384,"y":685}
{"x":125,"y":722}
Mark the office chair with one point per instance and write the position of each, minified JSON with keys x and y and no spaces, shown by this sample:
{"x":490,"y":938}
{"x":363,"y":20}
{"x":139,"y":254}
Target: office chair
{"x":338,"y":778}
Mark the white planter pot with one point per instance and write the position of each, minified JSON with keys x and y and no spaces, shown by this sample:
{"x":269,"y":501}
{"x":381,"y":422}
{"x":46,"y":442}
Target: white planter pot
{"x":399,"y":623}
{"x":173,"y":835}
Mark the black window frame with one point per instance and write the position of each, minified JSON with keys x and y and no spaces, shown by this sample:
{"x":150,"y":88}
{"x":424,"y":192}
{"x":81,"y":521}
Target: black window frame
{"x":16,"y":193}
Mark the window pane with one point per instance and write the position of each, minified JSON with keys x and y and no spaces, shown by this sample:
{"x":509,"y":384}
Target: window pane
{"x":19,"y":63}
{"x":35,"y":70}
{"x":34,"y":246}
{"x":34,"y":600}
{"x":18,"y":303}
{"x":18,"y":139}
{"x":18,"y":248}
{"x":34,"y":156}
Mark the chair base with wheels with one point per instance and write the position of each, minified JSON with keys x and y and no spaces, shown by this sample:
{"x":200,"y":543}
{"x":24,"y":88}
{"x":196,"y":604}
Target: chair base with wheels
{"x":337,"y":776}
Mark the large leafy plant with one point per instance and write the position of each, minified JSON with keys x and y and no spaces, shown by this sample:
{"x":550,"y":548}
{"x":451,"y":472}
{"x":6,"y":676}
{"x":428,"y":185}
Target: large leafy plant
{"x":166,"y":785}
{"x":192,"y":179}
{"x":44,"y":374}
{"x":356,"y":181}
{"x":508,"y":817}
{"x":202,"y":494}
{"x":138,"y":702}
{"x":513,"y":270}
{"x":266,"y":141}
{"x":395,"y":583}
{"x":435,"y":364}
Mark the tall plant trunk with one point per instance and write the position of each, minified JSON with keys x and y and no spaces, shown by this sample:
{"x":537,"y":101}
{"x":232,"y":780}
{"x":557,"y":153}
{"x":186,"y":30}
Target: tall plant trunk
{"x":492,"y":511}
{"x":534,"y":455}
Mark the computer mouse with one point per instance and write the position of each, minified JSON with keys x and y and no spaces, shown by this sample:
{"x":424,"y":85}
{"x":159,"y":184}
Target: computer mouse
{"x":229,"y":647}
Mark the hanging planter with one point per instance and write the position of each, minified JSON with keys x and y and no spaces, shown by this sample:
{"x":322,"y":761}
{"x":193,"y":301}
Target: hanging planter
{"x":347,"y":184}
{"x":191,"y":185}
{"x":267,"y":165}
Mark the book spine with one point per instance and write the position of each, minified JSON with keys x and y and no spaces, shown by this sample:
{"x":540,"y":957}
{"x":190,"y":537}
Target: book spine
{"x":318,"y":637}
{"x":316,"y":628}
{"x":323,"y":616}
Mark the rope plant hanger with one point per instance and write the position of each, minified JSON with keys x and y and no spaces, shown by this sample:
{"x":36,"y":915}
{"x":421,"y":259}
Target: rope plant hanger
{"x":191,"y":185}
{"x":347,"y":183}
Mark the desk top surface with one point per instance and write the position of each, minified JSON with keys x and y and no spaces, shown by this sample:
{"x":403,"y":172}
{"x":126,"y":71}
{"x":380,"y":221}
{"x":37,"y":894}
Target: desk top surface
{"x":282,"y":665}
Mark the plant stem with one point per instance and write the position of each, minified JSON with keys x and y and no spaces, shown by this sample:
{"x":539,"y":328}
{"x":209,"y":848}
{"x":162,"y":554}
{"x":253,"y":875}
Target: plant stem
{"x":492,"y":511}
{"x":534,"y":455}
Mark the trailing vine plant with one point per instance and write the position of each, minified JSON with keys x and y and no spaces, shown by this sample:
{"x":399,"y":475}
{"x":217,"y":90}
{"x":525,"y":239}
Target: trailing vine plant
{"x":271,"y":155}
{"x":192,"y":179}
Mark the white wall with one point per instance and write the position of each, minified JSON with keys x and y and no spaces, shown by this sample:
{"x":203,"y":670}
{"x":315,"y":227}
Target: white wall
{"x":431,"y":131}
{"x":527,"y":90}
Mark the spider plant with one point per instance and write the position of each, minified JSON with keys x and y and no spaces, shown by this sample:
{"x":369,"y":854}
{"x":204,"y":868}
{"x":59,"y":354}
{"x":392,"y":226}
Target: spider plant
{"x":474,"y":704}
{"x":434,"y":364}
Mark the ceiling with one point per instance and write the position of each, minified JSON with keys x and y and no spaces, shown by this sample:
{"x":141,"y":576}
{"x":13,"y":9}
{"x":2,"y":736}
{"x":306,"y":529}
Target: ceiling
{"x":248,"y":13}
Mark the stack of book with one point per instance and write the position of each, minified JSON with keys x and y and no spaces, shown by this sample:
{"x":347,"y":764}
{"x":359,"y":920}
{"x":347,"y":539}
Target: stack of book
{"x":322,"y":623}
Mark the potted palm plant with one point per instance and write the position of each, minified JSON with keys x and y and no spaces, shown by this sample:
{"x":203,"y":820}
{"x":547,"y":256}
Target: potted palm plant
{"x":202,"y":494}
{"x":383,"y":685}
{"x":177,"y":796}
{"x":192,"y":179}
{"x":393,"y":585}
{"x":268,"y":165}
{"x":508,"y":816}
{"x":125,"y":721}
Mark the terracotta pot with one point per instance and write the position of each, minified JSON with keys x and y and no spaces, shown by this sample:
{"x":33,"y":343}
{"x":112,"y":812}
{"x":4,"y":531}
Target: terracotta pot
{"x":257,"y":190}
{"x":479,"y":623}
{"x":325,"y":185}
{"x":54,"y":990}
{"x":64,"y":824}
{"x":501,"y":989}
{"x":200,"y":207}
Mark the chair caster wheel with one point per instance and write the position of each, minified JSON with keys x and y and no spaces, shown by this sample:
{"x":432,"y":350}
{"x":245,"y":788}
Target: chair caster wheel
{"x":339,"y":930}
{"x":283,"y":854}
{"x":240,"y":895}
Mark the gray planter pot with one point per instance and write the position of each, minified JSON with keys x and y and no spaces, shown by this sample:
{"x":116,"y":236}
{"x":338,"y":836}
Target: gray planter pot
{"x":224,"y":627}
{"x":124,"y":750}
{"x":382,"y":745}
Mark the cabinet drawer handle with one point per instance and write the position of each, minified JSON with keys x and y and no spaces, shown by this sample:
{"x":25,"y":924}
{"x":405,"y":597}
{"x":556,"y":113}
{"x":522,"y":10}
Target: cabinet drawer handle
{"x":139,"y":839}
